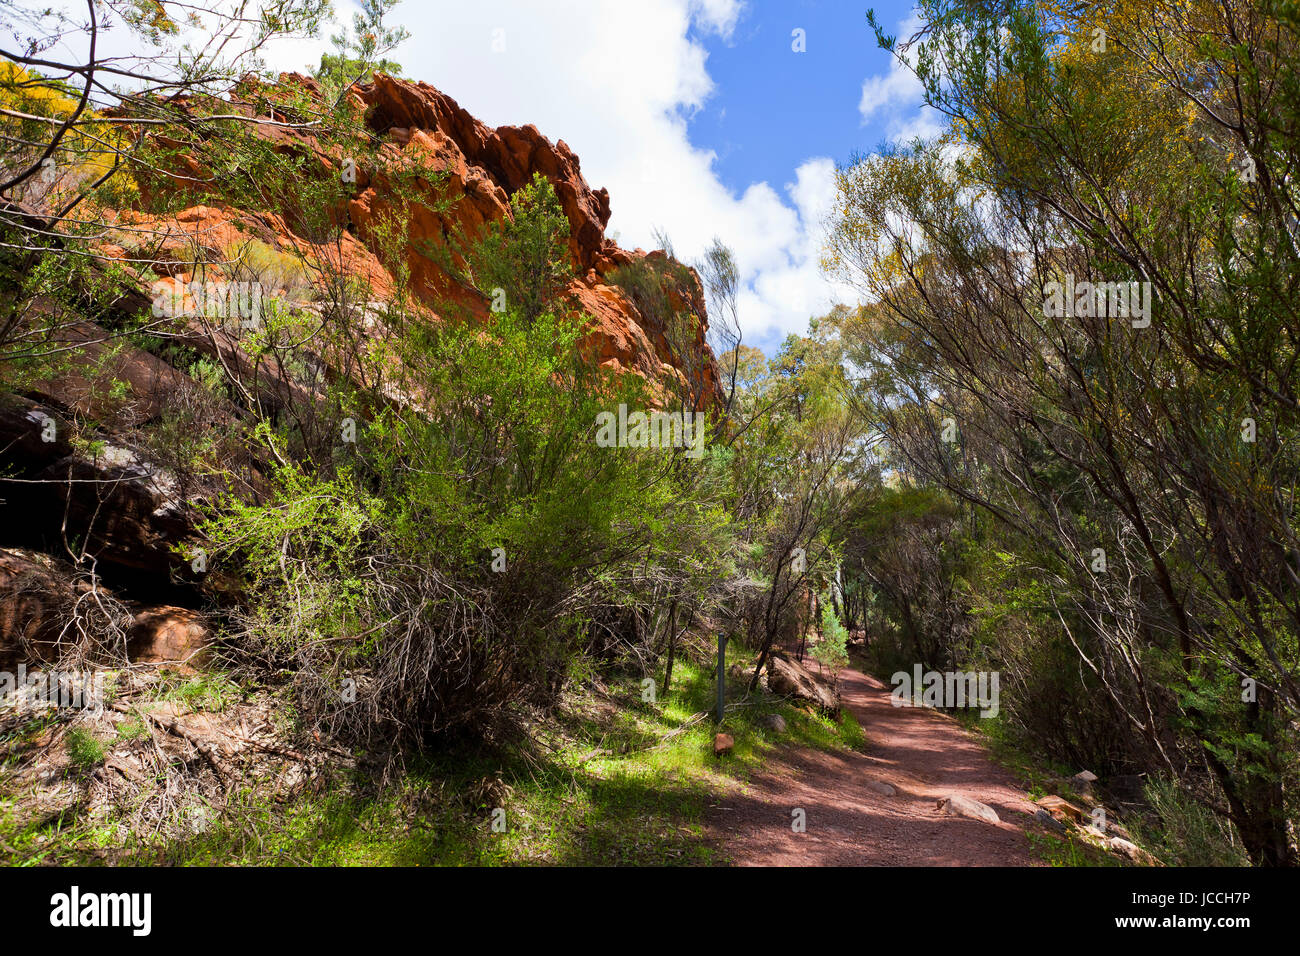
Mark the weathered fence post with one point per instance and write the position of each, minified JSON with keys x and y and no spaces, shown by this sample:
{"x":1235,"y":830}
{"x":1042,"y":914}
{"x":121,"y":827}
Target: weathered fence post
{"x":722,"y":675}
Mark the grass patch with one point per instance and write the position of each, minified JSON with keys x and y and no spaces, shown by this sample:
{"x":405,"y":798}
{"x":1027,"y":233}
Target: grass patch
{"x":1184,"y":833}
{"x":212,"y":692}
{"x":133,"y":729}
{"x":1066,"y":850}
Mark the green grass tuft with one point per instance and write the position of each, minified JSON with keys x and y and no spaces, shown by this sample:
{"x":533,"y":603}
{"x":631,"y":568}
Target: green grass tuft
{"x":85,"y":750}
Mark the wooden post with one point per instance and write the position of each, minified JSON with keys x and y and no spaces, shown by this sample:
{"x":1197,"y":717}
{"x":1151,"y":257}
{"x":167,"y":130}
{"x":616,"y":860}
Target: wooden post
{"x":722,"y":676}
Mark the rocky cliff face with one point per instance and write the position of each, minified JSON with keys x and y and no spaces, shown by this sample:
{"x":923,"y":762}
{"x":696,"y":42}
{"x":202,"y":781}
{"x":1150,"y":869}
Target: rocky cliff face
{"x":478,"y":168}
{"x":485,"y":166}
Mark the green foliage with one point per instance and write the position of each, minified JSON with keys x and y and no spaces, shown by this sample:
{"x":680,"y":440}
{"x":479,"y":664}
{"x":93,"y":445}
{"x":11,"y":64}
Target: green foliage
{"x":85,"y":750}
{"x":359,"y":52}
{"x":458,"y":558}
{"x":525,"y":257}
{"x":132,"y":730}
{"x":831,"y":651}
{"x":1099,"y":433}
{"x":338,"y":72}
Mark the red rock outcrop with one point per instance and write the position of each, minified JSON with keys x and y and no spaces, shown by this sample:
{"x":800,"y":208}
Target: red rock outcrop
{"x":484,"y":167}
{"x":479,"y":168}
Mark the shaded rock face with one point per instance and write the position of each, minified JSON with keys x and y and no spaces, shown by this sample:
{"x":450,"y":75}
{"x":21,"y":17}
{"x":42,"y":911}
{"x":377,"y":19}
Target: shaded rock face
{"x":45,"y":607}
{"x":122,"y":508}
{"x":150,"y":381}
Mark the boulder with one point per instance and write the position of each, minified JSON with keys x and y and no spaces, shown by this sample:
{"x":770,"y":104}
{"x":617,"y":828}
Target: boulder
{"x":1062,"y":809}
{"x":959,"y":806}
{"x":165,"y":634}
{"x":1082,"y":782}
{"x":38,"y":595}
{"x":722,"y":744}
{"x":95,"y":358}
{"x":1049,"y":821}
{"x":789,"y":678}
{"x":882,"y":788}
{"x":1131,"y":852}
{"x":26,"y":430}
{"x":773,"y":722}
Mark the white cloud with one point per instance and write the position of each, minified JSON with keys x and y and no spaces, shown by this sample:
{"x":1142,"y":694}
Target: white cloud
{"x":787,"y":291}
{"x":617,"y":82}
{"x":897,"y":87}
{"x":896,"y":97}
{"x":923,"y":124}
{"x":719,"y":15}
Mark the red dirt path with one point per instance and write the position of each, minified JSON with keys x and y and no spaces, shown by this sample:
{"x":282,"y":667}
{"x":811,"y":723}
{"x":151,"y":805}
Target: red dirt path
{"x":924,"y":754}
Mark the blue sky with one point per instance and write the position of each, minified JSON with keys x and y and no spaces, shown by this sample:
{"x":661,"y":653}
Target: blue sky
{"x":772,"y":109}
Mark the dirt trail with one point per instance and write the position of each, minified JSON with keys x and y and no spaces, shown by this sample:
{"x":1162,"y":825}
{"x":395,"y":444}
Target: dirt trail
{"x":924,"y":754}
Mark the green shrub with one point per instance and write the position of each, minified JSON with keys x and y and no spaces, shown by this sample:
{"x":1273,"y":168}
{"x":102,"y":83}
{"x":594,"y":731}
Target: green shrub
{"x":832,"y":650}
{"x":85,"y":750}
{"x":462,"y":555}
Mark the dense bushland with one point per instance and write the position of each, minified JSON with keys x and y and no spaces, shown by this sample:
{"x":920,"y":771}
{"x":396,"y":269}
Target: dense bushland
{"x":414,"y":526}
{"x":1096,"y":500}
{"x":407,"y":508}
